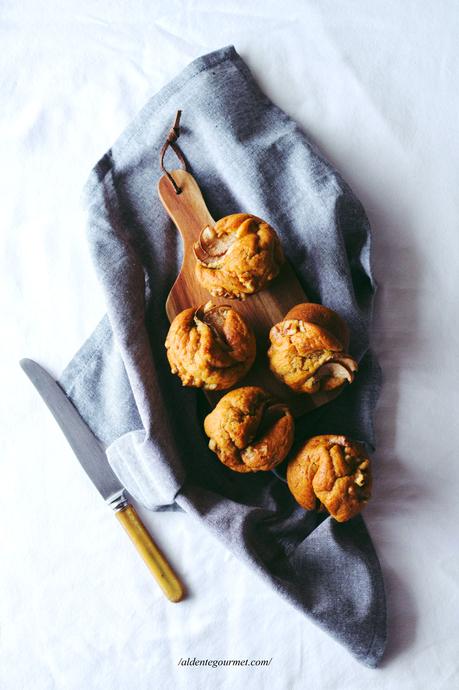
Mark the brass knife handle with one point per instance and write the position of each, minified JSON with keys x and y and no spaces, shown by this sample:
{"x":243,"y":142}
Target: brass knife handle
{"x":154,"y":559}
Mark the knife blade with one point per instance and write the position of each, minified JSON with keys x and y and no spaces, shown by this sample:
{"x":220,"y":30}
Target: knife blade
{"x":93,"y":460}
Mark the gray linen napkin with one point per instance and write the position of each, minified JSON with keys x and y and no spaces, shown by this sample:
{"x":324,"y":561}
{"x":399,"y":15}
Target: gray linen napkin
{"x":247,"y":155}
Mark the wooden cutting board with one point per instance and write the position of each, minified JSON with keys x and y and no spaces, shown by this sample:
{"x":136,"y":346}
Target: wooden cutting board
{"x":261,"y":311}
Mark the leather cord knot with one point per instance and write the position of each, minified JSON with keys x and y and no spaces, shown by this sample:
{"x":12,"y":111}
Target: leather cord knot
{"x":171,"y":140}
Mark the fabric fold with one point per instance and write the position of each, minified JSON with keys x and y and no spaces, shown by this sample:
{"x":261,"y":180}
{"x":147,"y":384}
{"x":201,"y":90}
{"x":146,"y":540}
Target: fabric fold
{"x":247,"y":155}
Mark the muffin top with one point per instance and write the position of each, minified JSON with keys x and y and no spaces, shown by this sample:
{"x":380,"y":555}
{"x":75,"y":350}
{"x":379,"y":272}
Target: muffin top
{"x":237,"y":257}
{"x":210,"y":347}
{"x":333,"y":472}
{"x":307,"y":350}
{"x":249,"y":430}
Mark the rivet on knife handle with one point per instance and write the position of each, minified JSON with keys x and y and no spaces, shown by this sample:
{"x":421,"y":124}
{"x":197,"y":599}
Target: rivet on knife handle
{"x":154,"y":559}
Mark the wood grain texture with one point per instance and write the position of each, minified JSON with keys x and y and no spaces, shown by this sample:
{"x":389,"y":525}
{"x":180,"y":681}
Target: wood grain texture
{"x":261,"y":311}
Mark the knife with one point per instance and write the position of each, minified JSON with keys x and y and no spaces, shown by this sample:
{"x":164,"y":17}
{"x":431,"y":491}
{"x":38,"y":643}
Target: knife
{"x":93,"y":460}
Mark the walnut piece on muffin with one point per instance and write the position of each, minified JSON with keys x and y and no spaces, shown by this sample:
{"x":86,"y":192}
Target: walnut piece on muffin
{"x":333,"y":472}
{"x":210,"y":347}
{"x":249,"y":430}
{"x":237,"y":257}
{"x":308,"y":350}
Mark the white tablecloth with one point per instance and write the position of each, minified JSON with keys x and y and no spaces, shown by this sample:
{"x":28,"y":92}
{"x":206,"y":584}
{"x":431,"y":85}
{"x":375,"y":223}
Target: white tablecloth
{"x":376,"y":86}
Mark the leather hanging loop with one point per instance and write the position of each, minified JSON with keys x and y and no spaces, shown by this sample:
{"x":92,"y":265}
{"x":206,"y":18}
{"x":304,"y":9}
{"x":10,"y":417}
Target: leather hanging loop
{"x":171,"y":141}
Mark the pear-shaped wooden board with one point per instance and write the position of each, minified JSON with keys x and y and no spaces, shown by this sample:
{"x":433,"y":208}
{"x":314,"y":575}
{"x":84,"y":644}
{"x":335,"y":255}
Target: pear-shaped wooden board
{"x":261,"y":311}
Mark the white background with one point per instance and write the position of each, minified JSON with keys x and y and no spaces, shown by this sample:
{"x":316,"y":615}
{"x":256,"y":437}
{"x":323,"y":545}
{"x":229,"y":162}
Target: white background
{"x":375,"y":84}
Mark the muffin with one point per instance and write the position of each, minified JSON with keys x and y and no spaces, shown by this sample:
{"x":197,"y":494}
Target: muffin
{"x":332,"y":472}
{"x":237,"y":257}
{"x":249,"y":430}
{"x":210,"y":347}
{"x":308,"y":350}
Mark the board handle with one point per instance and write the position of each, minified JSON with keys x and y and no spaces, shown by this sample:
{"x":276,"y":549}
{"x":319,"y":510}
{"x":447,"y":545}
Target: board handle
{"x":152,"y":556}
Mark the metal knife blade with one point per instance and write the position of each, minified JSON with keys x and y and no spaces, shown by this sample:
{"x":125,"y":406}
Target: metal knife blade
{"x":84,"y":444}
{"x":93,"y":460}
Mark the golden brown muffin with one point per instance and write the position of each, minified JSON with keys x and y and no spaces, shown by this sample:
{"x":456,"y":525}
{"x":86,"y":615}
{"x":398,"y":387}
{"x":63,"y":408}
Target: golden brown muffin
{"x":249,"y":430}
{"x":333,"y":472}
{"x":210,"y":347}
{"x":238,"y":256}
{"x":308,"y":350}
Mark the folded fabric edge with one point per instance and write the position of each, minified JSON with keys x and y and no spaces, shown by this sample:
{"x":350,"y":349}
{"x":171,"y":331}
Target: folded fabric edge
{"x":160,"y":97}
{"x":373,"y":655}
{"x":84,"y":355}
{"x":377,"y":646}
{"x":137,"y":473}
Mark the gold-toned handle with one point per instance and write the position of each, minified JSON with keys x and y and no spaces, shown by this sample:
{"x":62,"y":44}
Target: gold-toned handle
{"x":154,"y":559}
